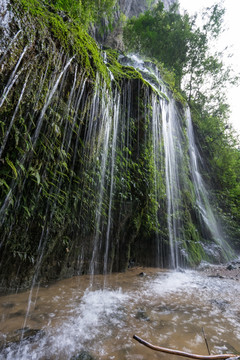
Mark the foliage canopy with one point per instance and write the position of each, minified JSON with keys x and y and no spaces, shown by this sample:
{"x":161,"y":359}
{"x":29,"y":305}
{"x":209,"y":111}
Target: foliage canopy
{"x":185,"y":48}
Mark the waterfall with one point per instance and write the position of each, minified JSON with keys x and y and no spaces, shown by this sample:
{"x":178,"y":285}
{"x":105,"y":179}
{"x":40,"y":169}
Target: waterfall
{"x":104,"y":139}
{"x":157,"y":153}
{"x":173,"y":161}
{"x":113,"y":156}
{"x":169,"y":149}
{"x":166,"y":133}
{"x":99,"y":171}
{"x":107,"y":165}
{"x":208,"y":220}
{"x":13,"y":78}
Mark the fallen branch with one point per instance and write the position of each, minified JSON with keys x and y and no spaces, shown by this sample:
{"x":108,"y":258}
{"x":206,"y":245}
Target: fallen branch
{"x":182,"y":353}
{"x":206,"y":342}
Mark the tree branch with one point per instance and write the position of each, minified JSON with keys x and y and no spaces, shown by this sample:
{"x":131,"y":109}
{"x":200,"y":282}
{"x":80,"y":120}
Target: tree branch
{"x":182,"y":353}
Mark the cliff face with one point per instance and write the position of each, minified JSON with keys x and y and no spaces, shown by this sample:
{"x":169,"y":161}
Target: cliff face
{"x":135,"y":7}
{"x":94,"y":164}
{"x":128,"y":8}
{"x":70,"y":158}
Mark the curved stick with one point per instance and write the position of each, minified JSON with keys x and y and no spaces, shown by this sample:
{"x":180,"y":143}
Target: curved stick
{"x":182,"y":353}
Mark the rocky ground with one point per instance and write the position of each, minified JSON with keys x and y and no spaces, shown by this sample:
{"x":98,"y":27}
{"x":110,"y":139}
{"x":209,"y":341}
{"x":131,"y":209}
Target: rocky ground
{"x":227,"y":271}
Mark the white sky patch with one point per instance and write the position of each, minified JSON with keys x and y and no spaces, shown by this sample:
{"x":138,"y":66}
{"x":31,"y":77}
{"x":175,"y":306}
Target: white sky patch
{"x":229,"y":38}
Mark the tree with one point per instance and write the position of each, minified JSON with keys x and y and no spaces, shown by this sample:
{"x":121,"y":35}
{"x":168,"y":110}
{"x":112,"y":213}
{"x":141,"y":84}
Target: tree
{"x":185,"y":48}
{"x":206,"y":76}
{"x":162,"y":35}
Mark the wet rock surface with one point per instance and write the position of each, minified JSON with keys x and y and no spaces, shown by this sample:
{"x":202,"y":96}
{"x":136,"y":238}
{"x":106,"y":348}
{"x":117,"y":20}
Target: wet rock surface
{"x":135,"y":7}
{"x":84,"y":355}
{"x":142,"y":315}
{"x":223,"y":271}
{"x":129,"y":8}
{"x":18,"y":335}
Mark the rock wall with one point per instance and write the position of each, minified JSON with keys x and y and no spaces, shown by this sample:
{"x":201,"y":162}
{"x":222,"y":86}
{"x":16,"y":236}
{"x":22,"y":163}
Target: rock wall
{"x":83,"y":185}
{"x":73,"y":190}
{"x":135,"y":7}
{"x":129,"y":8}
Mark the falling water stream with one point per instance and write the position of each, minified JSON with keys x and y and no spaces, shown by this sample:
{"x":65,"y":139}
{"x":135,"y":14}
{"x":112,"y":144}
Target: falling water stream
{"x":166,"y":308}
{"x":167,"y":129}
{"x":207,"y":216}
{"x":100,"y":313}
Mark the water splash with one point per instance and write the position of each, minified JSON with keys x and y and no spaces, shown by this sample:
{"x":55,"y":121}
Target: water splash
{"x":167,"y":308}
{"x":83,"y":324}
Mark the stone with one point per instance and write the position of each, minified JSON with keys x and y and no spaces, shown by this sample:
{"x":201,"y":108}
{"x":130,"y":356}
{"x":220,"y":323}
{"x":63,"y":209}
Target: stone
{"x":84,"y":355}
{"x":24,"y":333}
{"x":142,"y":315}
{"x":231,"y":267}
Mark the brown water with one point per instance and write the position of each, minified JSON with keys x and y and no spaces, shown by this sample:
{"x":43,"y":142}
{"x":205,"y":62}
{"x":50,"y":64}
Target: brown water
{"x":165,"y":308}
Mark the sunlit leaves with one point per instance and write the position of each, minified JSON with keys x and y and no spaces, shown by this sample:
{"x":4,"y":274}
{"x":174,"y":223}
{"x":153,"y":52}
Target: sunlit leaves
{"x":186,"y":49}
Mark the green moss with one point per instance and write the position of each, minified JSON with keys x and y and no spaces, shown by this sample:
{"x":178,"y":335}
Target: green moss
{"x":77,"y":42}
{"x":72,"y":36}
{"x":122,"y":72}
{"x":64,"y":179}
{"x":68,"y":33}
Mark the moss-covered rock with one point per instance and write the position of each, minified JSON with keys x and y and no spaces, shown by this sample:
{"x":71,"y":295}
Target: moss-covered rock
{"x":82,"y":178}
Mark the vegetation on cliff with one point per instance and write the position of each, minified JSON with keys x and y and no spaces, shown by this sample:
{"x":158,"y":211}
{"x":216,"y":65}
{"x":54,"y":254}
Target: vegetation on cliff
{"x":185,"y":48}
{"x":77,"y":152}
{"x":57,"y":103}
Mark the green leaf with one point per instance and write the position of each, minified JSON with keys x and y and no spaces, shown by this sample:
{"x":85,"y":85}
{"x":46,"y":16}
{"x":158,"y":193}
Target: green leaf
{"x":3,"y":183}
{"x":37,"y":177}
{"x":9,"y":162}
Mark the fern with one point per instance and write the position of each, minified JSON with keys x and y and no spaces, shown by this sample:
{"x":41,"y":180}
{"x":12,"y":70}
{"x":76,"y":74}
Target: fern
{"x":9,"y":162}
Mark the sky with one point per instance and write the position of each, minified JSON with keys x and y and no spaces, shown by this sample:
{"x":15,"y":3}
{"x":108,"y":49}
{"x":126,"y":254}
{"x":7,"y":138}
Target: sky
{"x":229,"y":38}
